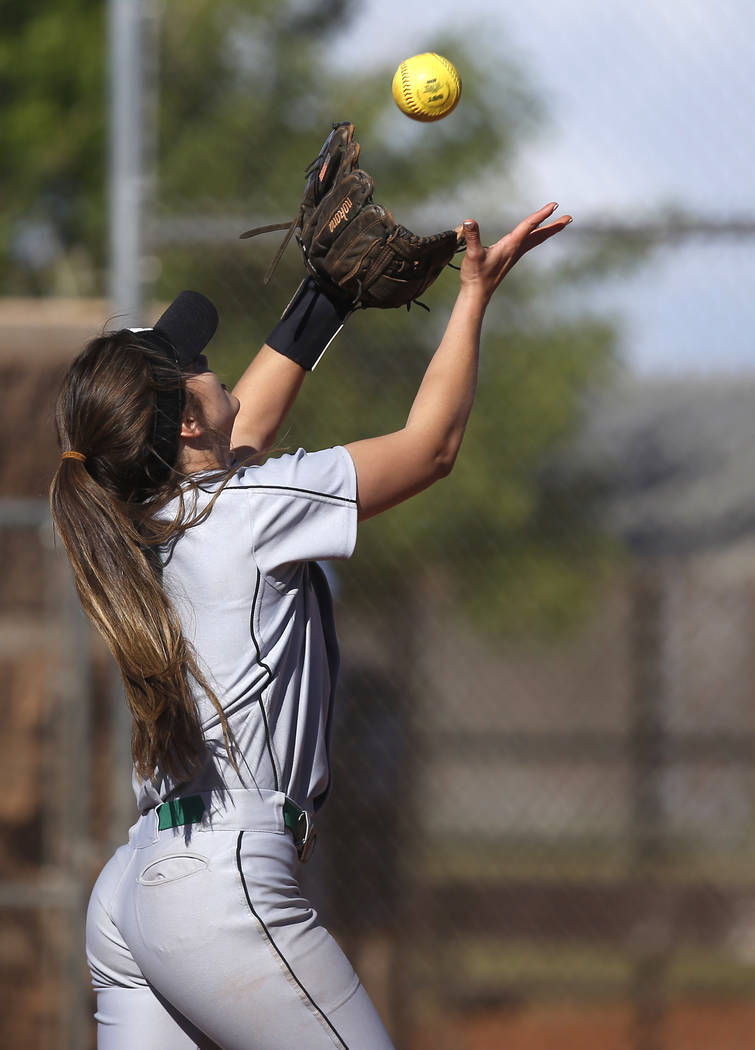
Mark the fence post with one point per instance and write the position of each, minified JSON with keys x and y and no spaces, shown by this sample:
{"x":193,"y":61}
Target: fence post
{"x":646,"y":654}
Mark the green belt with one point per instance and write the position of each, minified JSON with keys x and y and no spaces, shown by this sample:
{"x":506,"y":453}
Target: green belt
{"x":190,"y":810}
{"x":180,"y":811}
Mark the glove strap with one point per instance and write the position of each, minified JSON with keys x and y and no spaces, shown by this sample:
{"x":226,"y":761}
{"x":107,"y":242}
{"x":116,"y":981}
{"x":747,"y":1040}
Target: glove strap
{"x":309,"y":324}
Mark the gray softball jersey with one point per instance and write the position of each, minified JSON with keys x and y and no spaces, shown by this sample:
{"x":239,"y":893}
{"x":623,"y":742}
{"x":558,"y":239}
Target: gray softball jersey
{"x":256,"y":608}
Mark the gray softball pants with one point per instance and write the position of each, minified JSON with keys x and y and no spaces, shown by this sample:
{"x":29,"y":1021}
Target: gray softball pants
{"x":198,"y":938}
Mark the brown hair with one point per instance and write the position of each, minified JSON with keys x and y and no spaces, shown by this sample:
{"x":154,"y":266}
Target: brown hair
{"x":106,"y":512}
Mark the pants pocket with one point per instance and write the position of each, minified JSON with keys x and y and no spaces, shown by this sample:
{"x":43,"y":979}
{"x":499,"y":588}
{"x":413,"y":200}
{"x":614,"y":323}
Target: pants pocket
{"x":172,"y":868}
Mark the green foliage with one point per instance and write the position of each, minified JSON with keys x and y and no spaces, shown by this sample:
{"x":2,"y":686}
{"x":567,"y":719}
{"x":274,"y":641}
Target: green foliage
{"x":52,"y":134}
{"x":237,"y":140}
{"x":247,"y":91}
{"x":519,"y":551}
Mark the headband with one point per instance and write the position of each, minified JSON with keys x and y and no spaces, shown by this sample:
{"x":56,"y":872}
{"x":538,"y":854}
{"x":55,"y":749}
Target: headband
{"x":180,"y":335}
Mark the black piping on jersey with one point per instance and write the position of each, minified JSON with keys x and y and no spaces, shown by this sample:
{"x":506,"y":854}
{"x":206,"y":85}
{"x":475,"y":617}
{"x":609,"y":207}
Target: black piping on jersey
{"x":318,"y":1010}
{"x":294,"y":488}
{"x":265,"y":667}
{"x":319,"y":584}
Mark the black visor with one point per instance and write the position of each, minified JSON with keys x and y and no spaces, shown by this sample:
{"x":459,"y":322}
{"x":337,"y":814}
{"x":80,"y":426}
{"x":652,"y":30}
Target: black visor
{"x":188,"y":324}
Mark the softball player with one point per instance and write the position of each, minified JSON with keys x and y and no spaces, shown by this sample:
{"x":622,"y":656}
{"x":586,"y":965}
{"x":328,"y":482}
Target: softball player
{"x":202,"y":576}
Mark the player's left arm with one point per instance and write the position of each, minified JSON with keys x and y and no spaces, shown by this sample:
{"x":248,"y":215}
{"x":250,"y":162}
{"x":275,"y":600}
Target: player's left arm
{"x":396,"y":466}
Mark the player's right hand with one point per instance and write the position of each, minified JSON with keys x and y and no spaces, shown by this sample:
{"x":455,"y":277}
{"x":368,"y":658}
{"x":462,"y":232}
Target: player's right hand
{"x":483,"y":268}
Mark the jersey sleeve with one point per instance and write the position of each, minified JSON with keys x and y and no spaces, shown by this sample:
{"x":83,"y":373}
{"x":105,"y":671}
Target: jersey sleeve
{"x":303,"y":507}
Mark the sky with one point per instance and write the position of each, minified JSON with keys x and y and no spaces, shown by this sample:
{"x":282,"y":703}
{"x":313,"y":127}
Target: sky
{"x":650,"y":105}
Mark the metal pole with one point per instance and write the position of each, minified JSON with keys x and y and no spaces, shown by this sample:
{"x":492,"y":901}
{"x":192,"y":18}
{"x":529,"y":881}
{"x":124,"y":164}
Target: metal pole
{"x":127,"y":181}
{"x":132,"y":33}
{"x":132,"y":43}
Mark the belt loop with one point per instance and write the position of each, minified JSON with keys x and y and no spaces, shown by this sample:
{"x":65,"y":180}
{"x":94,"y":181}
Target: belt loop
{"x":301,"y":826}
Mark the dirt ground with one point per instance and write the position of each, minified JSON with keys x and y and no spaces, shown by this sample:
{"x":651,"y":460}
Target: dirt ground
{"x":685,"y":1026}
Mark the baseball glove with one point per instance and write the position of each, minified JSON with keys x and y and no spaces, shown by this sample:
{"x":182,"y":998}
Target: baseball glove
{"x":353,"y":248}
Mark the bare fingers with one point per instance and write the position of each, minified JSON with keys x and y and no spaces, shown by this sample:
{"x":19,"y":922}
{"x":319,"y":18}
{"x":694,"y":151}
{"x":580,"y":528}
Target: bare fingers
{"x":544,"y":233}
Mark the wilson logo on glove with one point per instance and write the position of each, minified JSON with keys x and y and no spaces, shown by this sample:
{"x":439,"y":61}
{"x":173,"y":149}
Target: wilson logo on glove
{"x":341,"y":214}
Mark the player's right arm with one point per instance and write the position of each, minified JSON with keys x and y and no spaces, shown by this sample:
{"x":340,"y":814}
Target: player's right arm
{"x":269,"y":386}
{"x":393,"y":467}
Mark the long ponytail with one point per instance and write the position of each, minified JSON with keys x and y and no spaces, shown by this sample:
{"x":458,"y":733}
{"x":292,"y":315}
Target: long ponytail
{"x":106,"y":511}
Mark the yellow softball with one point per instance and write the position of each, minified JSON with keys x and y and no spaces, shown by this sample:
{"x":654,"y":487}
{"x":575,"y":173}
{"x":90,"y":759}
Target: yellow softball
{"x":426,"y":87}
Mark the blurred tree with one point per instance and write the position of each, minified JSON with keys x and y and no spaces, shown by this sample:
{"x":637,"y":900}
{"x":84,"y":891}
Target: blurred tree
{"x":246,"y":92}
{"x":52,"y":146}
{"x":236,"y":141}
